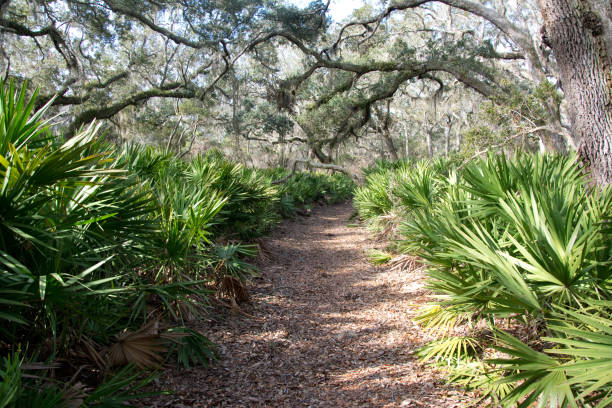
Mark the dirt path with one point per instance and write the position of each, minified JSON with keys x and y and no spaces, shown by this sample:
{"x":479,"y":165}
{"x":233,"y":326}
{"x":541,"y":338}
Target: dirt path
{"x":331,"y":330}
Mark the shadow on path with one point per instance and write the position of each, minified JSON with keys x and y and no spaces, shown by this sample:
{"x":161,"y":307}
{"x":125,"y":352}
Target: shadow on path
{"x":331,"y":330}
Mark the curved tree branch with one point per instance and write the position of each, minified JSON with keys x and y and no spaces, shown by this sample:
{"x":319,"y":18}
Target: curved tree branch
{"x":118,"y":8}
{"x":12,"y":27}
{"x":328,"y":166}
{"x":109,"y":111}
{"x":518,"y":35}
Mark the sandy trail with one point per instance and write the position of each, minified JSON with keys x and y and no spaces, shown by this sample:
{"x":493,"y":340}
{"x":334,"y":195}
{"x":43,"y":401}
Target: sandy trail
{"x":331,"y":330}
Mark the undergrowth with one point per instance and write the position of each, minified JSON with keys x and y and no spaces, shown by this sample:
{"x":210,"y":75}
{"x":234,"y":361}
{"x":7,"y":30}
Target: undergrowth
{"x":107,"y":254}
{"x":519,"y":256}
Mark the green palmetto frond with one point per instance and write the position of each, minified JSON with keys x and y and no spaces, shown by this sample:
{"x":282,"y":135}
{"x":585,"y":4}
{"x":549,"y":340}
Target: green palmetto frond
{"x":574,"y":371}
{"x":519,"y":239}
{"x":192,"y":348}
{"x":228,"y":260}
{"x":475,"y":374}
{"x":585,"y":338}
{"x":450,"y":349}
{"x":117,"y":389}
{"x":537,"y":376}
{"x":374,"y":199}
{"x":70,"y":219}
{"x":19,"y":124}
{"x":418,"y":187}
{"x":438,"y":319}
{"x":379,"y":257}
{"x":10,"y":380}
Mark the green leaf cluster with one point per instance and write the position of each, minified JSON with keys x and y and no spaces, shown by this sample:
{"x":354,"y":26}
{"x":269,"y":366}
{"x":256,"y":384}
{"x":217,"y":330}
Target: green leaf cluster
{"x":105,"y":254}
{"x":518,"y":243}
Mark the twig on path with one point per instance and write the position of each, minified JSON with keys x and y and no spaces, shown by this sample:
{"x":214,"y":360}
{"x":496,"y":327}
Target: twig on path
{"x":236,"y":309}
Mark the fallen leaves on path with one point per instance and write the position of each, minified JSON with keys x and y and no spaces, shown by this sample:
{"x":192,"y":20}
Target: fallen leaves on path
{"x":331,"y":330}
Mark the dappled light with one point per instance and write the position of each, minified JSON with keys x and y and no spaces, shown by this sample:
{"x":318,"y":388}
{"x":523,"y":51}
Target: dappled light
{"x":328,"y":328}
{"x":305,"y":203}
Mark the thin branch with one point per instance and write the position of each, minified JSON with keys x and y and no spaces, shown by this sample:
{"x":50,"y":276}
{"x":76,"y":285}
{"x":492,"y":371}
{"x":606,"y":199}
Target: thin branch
{"x":504,"y":142}
{"x":333,"y":167}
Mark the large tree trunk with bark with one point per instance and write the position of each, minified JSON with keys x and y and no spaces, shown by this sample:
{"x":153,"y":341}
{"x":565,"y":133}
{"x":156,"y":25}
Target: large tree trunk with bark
{"x":385,"y":130}
{"x":447,"y":134}
{"x":580,"y":35}
{"x":390,"y":146}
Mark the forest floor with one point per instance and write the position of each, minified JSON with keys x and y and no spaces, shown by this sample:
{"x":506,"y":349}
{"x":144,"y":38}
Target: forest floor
{"x":329,"y":329}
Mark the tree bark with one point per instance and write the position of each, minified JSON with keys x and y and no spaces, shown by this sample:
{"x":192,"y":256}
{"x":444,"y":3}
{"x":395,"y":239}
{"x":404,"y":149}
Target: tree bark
{"x":386,"y":133}
{"x":406,"y":147}
{"x":447,"y":135}
{"x":236,"y":129}
{"x":578,"y":31}
{"x":109,"y":111}
{"x":309,"y":163}
{"x":429,"y":142}
{"x":390,"y":146}
{"x":3,"y":6}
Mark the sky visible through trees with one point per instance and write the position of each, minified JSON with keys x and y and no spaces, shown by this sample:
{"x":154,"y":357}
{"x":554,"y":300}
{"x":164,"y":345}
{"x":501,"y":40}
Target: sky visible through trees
{"x":338,"y":9}
{"x":147,"y":147}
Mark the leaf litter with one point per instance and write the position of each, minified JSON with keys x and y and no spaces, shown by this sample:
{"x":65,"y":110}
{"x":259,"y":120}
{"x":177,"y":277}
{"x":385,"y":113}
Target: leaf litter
{"x":330,"y":329}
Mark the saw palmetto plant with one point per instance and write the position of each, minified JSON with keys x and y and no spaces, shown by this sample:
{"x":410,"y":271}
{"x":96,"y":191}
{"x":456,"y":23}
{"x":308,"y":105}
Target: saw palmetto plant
{"x":68,"y":217}
{"x":519,"y":249}
{"x":94,"y":243}
{"x":374,"y":199}
{"x":98,"y":245}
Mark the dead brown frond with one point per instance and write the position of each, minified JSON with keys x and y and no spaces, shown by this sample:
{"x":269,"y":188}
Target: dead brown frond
{"x":233,"y":288}
{"x":90,"y":352}
{"x":404,"y":263}
{"x":75,"y":394}
{"x":388,"y":227}
{"x":263,"y":251}
{"x":142,"y":348}
{"x":188,"y":310}
{"x":39,"y":366}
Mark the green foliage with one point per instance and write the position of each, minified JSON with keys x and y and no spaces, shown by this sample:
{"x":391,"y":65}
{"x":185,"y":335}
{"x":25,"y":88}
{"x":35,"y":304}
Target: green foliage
{"x":396,"y":187}
{"x":192,"y":348}
{"x":306,"y":24}
{"x":379,"y":257}
{"x":374,"y":199}
{"x":118,"y":388}
{"x":69,"y":218}
{"x":305,"y":188}
{"x":511,"y":123}
{"x":478,"y":138}
{"x":20,"y":389}
{"x":93,"y":239}
{"x":521,"y":243}
{"x":227,"y":260}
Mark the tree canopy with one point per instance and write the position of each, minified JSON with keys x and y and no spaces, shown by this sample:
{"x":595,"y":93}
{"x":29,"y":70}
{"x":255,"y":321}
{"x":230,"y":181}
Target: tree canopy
{"x":292,"y":83}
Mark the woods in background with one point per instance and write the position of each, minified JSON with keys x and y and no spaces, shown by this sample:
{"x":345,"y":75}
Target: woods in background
{"x":402,"y":78}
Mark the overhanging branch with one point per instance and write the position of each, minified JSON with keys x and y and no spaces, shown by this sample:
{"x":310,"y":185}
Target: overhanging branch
{"x":327,"y":166}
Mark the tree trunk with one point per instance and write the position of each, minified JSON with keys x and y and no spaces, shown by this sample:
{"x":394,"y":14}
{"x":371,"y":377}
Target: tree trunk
{"x":447,"y":134}
{"x":384,"y":129}
{"x":3,"y":6}
{"x":390,"y":146}
{"x":429,"y":143}
{"x":459,"y":138}
{"x":236,"y":130}
{"x":579,"y":32}
{"x":406,"y":146}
